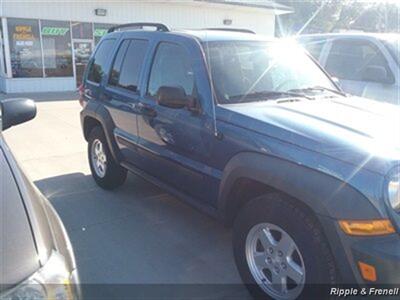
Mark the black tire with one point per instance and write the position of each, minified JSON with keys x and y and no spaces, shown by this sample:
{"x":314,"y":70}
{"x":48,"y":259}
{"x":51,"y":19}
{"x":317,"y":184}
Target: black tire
{"x":274,"y":208}
{"x":115,"y":175}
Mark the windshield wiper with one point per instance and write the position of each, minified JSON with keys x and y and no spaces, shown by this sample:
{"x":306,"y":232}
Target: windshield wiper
{"x":268,"y":95}
{"x":318,"y":88}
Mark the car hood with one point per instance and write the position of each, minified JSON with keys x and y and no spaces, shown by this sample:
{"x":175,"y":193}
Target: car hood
{"x":352,"y":129}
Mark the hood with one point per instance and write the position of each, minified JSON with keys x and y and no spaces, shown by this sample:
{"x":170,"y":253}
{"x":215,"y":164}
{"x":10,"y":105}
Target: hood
{"x":355,"y":130}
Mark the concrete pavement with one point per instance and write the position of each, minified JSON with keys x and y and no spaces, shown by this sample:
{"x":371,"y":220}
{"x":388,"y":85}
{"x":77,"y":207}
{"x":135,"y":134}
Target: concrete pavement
{"x":136,"y":234}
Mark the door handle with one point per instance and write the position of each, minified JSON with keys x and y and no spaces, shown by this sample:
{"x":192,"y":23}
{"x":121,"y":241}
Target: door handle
{"x":88,"y":94}
{"x":129,"y":107}
{"x":146,"y":110}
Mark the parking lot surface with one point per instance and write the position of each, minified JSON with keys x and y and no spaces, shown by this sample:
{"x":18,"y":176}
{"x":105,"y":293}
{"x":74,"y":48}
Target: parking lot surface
{"x":137,"y":234}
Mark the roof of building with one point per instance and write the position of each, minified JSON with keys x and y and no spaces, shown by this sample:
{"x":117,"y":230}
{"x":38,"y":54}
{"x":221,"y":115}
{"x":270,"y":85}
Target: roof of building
{"x":264,"y":4}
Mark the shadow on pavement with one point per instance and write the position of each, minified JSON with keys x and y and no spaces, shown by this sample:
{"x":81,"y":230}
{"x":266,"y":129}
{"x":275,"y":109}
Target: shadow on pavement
{"x":138,"y":234}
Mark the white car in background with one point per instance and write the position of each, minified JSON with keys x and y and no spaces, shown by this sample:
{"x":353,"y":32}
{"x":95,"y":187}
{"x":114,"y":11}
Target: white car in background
{"x":365,"y":64}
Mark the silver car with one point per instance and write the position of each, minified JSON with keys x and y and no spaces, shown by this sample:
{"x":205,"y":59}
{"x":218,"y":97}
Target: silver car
{"x":365,"y":64}
{"x":36,"y":257}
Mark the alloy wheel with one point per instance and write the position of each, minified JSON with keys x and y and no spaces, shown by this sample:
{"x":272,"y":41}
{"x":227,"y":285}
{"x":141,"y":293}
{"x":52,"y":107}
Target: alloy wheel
{"x":275,"y":261}
{"x":99,"y":158}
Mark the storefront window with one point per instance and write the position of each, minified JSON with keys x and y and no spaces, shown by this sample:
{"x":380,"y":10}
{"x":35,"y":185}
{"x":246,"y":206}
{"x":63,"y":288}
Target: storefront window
{"x":3,"y":64}
{"x":57,"y":50}
{"x":82,"y":30}
{"x":25,"y":49}
{"x":100,"y":30}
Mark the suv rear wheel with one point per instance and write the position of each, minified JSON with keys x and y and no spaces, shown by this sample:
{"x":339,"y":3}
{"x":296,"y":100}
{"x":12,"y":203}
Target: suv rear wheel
{"x":107,"y":173}
{"x":280,"y":251}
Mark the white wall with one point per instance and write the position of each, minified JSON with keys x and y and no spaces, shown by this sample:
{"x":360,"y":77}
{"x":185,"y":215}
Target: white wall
{"x":26,"y":85}
{"x":176,"y":14}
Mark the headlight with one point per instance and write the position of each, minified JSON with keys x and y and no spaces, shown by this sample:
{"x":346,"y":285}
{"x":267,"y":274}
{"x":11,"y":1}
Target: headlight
{"x":394,"y":192}
{"x":50,"y":282}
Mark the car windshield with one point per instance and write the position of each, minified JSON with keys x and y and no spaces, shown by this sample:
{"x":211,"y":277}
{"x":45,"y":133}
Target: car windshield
{"x":246,"y":71}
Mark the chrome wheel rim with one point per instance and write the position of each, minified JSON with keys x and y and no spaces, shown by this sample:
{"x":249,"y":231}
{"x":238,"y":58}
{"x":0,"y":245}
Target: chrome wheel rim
{"x":275,"y":261}
{"x":99,"y":158}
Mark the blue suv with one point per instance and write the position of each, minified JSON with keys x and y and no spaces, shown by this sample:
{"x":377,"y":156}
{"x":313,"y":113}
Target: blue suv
{"x":255,"y":133}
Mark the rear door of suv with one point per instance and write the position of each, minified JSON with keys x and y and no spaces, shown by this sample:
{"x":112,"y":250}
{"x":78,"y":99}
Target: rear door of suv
{"x":122,"y":89}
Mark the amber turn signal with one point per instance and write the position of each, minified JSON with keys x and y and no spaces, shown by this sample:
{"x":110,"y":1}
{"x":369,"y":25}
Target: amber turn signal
{"x":367,"y":227}
{"x":368,"y":272}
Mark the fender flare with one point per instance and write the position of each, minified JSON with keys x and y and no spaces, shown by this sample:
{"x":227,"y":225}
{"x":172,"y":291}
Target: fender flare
{"x":323,"y":193}
{"x":100,"y":114}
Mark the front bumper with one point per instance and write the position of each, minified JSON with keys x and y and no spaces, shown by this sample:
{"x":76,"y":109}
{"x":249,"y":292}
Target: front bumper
{"x":75,"y":283}
{"x":381,"y":252}
{"x":54,"y":280}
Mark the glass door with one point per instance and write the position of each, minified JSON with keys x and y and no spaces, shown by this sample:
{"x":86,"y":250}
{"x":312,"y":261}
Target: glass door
{"x":82,"y":51}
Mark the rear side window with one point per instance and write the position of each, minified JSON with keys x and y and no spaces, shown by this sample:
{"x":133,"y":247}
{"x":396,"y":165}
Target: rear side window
{"x":100,"y":60}
{"x":128,"y":63}
{"x":116,"y":69}
{"x":171,"y":67}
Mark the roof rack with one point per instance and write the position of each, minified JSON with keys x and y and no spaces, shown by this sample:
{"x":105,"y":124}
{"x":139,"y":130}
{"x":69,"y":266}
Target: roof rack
{"x":158,"y":26}
{"x":232,"y":29}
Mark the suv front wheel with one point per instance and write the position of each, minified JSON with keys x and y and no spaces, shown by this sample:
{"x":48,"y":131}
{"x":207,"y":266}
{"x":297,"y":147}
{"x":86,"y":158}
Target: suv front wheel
{"x":107,"y":173}
{"x":280,"y":251}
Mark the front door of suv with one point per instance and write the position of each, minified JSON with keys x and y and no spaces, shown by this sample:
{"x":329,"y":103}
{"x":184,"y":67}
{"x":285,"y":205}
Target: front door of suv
{"x":175,"y":143}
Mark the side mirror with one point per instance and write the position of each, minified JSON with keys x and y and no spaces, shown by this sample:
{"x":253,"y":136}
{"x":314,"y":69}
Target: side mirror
{"x":16,"y":111}
{"x":376,"y":74}
{"x":172,"y":97}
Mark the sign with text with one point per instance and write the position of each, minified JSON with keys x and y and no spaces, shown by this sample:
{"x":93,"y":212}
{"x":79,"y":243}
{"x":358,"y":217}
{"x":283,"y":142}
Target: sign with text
{"x":55,"y":31}
{"x":23,"y":33}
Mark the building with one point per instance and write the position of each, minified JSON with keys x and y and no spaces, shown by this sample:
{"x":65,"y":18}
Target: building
{"x":46,"y":44}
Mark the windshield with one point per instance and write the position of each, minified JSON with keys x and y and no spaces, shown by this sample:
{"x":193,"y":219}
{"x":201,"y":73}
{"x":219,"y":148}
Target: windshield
{"x":244,"y":71}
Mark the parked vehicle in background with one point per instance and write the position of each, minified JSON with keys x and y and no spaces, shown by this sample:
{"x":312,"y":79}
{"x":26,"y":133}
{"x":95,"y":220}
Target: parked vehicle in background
{"x":36,"y":257}
{"x":255,"y":133}
{"x":366,"y":65}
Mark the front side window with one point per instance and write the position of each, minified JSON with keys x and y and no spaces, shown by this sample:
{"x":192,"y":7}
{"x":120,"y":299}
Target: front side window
{"x":314,"y":46}
{"x":57,"y":50}
{"x":352,"y":60}
{"x":171,"y":68}
{"x":128,"y":63}
{"x":253,"y":71}
{"x":25,"y":48}
{"x":393,"y":45}
{"x":100,"y":61}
